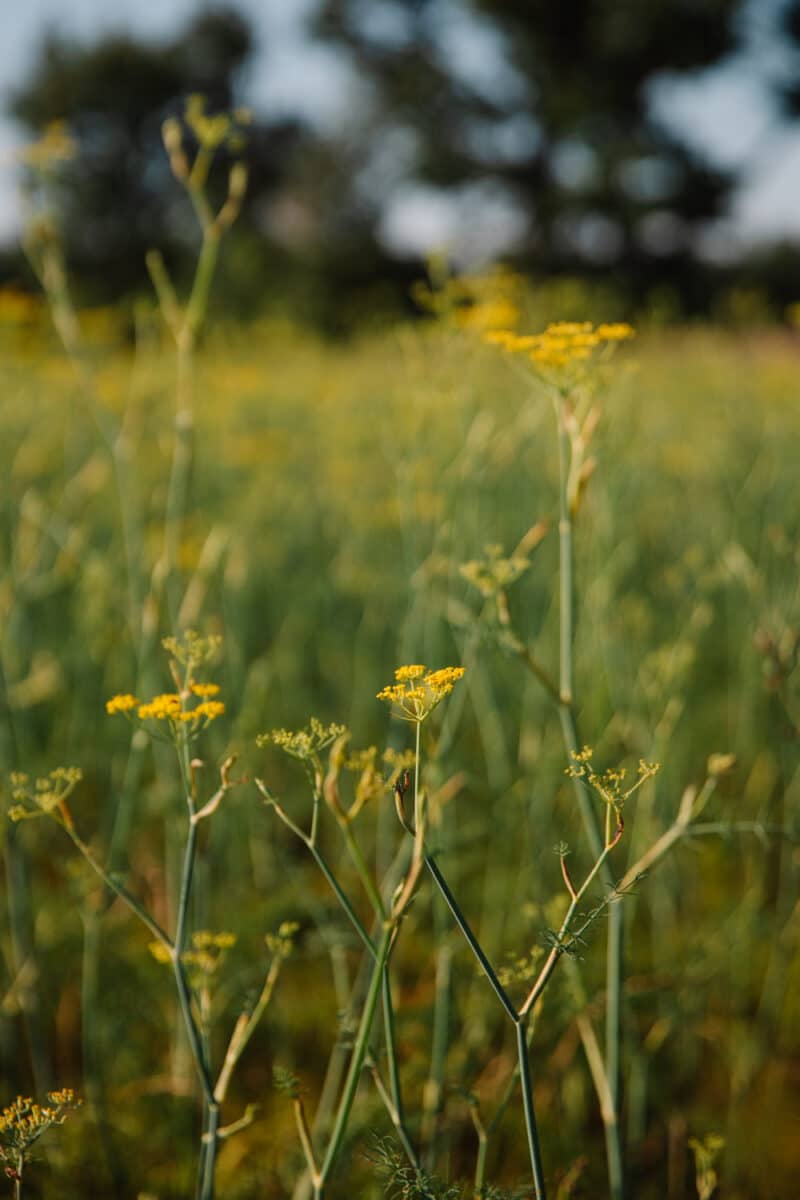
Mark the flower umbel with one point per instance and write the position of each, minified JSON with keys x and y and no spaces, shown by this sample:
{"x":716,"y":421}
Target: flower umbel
{"x":610,"y":785}
{"x":24,"y":1121}
{"x":417,"y":691}
{"x":44,"y":796}
{"x":174,"y":707}
{"x":564,"y":350}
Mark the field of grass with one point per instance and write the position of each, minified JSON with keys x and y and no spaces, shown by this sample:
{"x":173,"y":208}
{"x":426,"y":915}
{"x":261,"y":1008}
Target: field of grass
{"x":330,"y":499}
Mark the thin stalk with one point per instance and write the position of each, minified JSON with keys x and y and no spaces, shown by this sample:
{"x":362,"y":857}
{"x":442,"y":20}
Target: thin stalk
{"x":209,"y":1159}
{"x":363,"y":871}
{"x":310,"y":843}
{"x":473,"y":942}
{"x":614,"y":945}
{"x":520,"y":1023}
{"x":391,"y":1048}
{"x":244,"y":1029}
{"x":615,"y":950}
{"x":184,"y":995}
{"x":394,"y":1116}
{"x":209,"y":1143}
{"x":557,"y":950}
{"x":358,"y":1056}
{"x":306,"y":1144}
{"x":483,"y":1146}
{"x":530,"y":1116}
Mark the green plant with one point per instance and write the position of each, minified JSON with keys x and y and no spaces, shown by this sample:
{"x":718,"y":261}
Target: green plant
{"x":22,"y":1123}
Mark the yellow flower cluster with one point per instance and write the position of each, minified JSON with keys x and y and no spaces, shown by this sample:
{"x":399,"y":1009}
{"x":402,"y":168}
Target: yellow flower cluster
{"x":417,"y":691}
{"x":562,"y":344}
{"x":610,"y":785}
{"x":166,"y":707}
{"x":169,"y":706}
{"x":205,"y":689}
{"x":281,"y":943}
{"x":24,"y":1121}
{"x":304,"y":744}
{"x":205,"y":954}
{"x":45,"y":795}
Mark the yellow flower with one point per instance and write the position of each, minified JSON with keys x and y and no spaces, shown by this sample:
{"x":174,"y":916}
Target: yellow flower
{"x":414,"y":703}
{"x":210,"y":709}
{"x":160,"y":708}
{"x":562,"y":345}
{"x":121,"y":704}
{"x":412,"y":672}
{"x":205,"y":689}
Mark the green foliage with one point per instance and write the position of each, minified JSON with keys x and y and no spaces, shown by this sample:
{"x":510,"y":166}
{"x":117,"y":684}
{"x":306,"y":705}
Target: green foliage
{"x":334,"y":496}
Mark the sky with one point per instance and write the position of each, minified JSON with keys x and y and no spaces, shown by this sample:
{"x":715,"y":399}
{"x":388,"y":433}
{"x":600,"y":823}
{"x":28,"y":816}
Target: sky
{"x":725,"y":113}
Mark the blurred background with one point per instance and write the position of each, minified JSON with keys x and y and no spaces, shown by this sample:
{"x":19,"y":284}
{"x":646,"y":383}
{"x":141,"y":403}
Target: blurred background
{"x":656,"y":145}
{"x":354,"y":475}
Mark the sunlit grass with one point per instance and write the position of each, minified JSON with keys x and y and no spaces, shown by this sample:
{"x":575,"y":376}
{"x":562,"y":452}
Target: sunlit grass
{"x":336,"y":492}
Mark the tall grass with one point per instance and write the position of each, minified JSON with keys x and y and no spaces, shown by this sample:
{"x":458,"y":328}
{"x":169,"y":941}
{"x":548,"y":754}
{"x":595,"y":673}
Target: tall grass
{"x":318,"y":515}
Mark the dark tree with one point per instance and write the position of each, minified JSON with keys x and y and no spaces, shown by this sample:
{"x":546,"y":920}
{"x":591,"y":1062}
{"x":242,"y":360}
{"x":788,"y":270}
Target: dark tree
{"x":117,"y":198}
{"x":541,"y":107}
{"x":555,"y":118}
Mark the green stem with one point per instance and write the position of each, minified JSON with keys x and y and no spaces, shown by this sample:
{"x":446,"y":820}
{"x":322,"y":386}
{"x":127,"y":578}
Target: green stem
{"x":209,"y":1157}
{"x":399,"y":1126}
{"x":473,"y":942}
{"x":391,"y":1047}
{"x":352,"y":915}
{"x":565,"y":576}
{"x":480,"y":1159}
{"x":530,"y":1116}
{"x":209,"y":1147}
{"x":244,"y":1030}
{"x":362,"y":869}
{"x":613,"y":1046}
{"x":614,"y":964}
{"x":204,"y":275}
{"x":310,"y":843}
{"x":558,"y":949}
{"x":358,"y":1056}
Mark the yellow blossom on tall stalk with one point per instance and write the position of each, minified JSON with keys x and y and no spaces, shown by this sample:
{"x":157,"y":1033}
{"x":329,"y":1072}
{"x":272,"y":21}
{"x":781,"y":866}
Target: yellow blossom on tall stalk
{"x":565,"y":348}
{"x":23,"y":1122}
{"x":173,"y":707}
{"x":417,"y":691}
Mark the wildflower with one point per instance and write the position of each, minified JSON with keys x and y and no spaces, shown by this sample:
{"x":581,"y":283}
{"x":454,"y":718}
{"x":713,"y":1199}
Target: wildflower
{"x":47,"y":796}
{"x":123,"y":703}
{"x":24,"y":1121}
{"x":192,"y":649}
{"x":406,"y":673}
{"x":209,"y":709}
{"x":167,"y":706}
{"x":610,"y":785}
{"x":415,"y":693}
{"x":281,"y":943}
{"x":303,"y":744}
{"x":563,"y":346}
{"x":205,"y":689}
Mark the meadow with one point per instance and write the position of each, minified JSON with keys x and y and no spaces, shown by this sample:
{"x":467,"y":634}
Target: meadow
{"x":346,"y":509}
